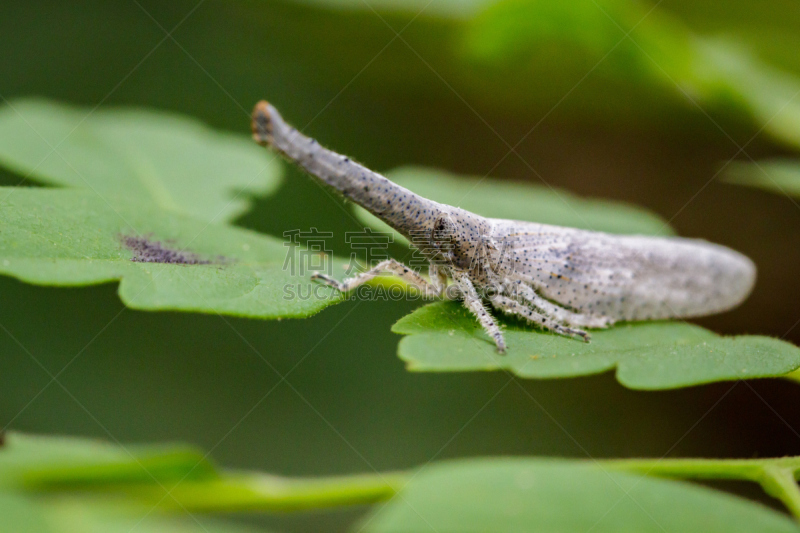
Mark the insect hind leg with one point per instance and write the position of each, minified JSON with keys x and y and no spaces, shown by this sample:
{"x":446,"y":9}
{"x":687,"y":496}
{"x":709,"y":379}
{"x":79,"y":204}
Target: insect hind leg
{"x":527,"y":295}
{"x":513,"y":307}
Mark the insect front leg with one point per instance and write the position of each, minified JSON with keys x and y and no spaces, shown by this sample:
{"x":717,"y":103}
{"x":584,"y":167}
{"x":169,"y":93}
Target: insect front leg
{"x":474,"y":303}
{"x":513,"y":307}
{"x":557,"y":313}
{"x":390,"y":265}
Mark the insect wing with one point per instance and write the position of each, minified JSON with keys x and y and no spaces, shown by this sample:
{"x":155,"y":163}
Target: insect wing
{"x":623,"y":277}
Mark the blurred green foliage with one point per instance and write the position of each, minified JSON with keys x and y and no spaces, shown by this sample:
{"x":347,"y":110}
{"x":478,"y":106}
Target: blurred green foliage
{"x":326,"y":395}
{"x":171,"y":162}
{"x":781,"y":176}
{"x":66,"y":484}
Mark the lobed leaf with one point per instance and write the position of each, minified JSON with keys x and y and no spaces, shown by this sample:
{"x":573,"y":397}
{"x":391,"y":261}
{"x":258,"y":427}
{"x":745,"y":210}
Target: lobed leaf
{"x":445,"y":337}
{"x":163,"y":260}
{"x":170,"y":161}
{"x":546,"y":495}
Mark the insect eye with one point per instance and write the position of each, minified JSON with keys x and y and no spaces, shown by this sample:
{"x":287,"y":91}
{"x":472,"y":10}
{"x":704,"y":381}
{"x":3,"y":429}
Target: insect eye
{"x":442,"y":230}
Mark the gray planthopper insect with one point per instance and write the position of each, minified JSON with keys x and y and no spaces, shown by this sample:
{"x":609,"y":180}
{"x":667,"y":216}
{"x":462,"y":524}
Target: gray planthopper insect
{"x":561,"y":279}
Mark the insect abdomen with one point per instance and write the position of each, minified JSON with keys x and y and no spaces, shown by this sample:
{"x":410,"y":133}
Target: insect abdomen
{"x":665,"y":278}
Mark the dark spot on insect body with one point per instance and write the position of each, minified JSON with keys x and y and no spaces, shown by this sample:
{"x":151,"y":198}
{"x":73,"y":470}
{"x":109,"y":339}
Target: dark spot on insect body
{"x":147,"y":250}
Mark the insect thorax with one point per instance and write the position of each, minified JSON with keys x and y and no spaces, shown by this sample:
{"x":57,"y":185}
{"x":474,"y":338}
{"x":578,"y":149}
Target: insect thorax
{"x":458,"y":240}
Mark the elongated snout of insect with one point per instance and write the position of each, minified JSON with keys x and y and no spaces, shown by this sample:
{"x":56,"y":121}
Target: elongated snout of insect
{"x":402,"y":209}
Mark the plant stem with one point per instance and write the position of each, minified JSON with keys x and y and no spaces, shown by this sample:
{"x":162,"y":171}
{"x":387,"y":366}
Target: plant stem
{"x":744,"y":469}
{"x":776,"y":476}
{"x":780,"y":483}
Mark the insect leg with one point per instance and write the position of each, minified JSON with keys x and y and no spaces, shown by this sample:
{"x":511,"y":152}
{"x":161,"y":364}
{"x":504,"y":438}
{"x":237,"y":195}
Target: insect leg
{"x":438,"y":279}
{"x":513,"y":307}
{"x":474,"y":303}
{"x":390,"y":265}
{"x":557,"y":313}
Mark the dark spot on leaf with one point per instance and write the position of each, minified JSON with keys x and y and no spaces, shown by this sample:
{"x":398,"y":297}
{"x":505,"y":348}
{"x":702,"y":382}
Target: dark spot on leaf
{"x":146,"y":250}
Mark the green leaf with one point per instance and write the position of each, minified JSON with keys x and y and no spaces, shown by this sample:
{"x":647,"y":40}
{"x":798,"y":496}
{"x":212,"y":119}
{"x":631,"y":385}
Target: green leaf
{"x":144,"y":191}
{"x":71,"y":237}
{"x":517,"y":201}
{"x":547,"y":495}
{"x":766,"y":93}
{"x":21,"y":515}
{"x":171,"y":161}
{"x":32,"y":461}
{"x":69,"y":517}
{"x":444,"y":337}
{"x":44,"y":483}
{"x":26,"y":514}
{"x":174,"y":477}
{"x":780,"y":176}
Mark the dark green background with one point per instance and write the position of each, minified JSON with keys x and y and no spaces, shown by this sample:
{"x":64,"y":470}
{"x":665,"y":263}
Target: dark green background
{"x":349,"y":406}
